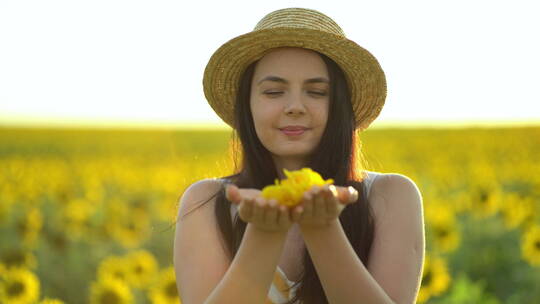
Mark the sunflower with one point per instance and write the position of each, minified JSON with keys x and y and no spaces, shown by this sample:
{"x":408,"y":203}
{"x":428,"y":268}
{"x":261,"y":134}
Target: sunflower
{"x":291,"y":189}
{"x":115,"y":266}
{"x":141,"y":268}
{"x":129,"y":227}
{"x":516,"y":210}
{"x":485,"y":200}
{"x":18,"y":286}
{"x":18,"y":258}
{"x":435,"y":278}
{"x":444,"y":226}
{"x":164,"y":291}
{"x":76,"y":215}
{"x":530,"y":245}
{"x":109,"y":290}
{"x":29,"y":226}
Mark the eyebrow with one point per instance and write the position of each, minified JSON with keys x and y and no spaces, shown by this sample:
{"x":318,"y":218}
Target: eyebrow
{"x":281,"y":80}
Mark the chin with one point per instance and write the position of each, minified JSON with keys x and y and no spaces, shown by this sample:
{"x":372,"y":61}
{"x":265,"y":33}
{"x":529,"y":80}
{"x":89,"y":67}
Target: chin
{"x":293,"y":152}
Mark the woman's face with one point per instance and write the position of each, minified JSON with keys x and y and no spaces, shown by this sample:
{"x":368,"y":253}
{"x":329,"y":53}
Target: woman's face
{"x":290,"y":87}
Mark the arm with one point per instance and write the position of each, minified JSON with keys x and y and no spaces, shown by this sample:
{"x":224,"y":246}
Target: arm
{"x":343,"y":276}
{"x":204,"y":273}
{"x":251,"y":273}
{"x":394,"y":270}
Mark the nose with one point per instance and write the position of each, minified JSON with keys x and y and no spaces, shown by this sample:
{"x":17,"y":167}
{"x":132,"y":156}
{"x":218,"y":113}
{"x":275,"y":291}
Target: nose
{"x":295,"y":105}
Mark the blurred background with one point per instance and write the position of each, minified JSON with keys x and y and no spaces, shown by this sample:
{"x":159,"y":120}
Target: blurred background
{"x":104,"y":124}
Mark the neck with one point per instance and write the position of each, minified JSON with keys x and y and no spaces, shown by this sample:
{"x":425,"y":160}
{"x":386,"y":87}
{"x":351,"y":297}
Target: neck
{"x":291,"y":164}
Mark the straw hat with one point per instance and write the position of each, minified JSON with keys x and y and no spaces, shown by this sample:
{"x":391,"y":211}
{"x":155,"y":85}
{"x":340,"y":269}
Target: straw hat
{"x":295,"y":27}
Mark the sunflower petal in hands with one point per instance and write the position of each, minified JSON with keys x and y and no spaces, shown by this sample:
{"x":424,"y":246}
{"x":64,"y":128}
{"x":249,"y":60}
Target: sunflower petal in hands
{"x":266,"y":215}
{"x":323,"y":204}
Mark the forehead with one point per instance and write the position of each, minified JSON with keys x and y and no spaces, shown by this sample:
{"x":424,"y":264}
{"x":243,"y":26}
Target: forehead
{"x":291,"y":62}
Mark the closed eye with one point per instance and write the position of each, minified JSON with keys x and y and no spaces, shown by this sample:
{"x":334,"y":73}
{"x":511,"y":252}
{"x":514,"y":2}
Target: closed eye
{"x":311,"y":92}
{"x":272,"y":93}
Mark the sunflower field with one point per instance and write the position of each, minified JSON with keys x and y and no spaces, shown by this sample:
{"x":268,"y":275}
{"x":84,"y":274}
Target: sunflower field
{"x":87,"y":215}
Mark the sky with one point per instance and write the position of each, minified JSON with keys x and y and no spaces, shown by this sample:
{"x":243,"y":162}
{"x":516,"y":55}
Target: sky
{"x":142,"y":62}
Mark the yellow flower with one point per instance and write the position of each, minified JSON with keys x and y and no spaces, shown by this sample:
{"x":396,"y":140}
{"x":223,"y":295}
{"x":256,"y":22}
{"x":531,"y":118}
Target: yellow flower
{"x":165,"y":291}
{"x":516,"y":210}
{"x":485,"y":199}
{"x":435,"y":278}
{"x":142,"y":267}
{"x":291,"y":189}
{"x":110,"y":290}
{"x":115,"y":266}
{"x":29,"y":226}
{"x":530,"y":245}
{"x":76,"y":218}
{"x":444,"y":226}
{"x":130,"y":227}
{"x":16,"y":257}
{"x":18,"y":285}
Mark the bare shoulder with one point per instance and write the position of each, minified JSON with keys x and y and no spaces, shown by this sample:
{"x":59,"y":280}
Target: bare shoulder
{"x":198,"y":193}
{"x":198,"y":247}
{"x":394,"y":190}
{"x":397,"y":253}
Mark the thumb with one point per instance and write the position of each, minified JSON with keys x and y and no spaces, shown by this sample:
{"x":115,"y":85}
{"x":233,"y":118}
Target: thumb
{"x":348,"y":195}
{"x":352,"y":194}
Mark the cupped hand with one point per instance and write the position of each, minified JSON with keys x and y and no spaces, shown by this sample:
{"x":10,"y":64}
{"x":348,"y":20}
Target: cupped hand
{"x":323,"y":204}
{"x":266,"y":215}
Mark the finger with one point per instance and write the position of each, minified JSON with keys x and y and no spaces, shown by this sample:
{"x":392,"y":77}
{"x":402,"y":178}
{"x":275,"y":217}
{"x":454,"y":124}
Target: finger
{"x":283,"y":216}
{"x":307,"y":205}
{"x":271,"y":212}
{"x":258,"y":210}
{"x":332,"y":191}
{"x":245,"y":209}
{"x":332,"y":203}
{"x":353,"y":194}
{"x":297,"y":213}
{"x":343,"y":195}
{"x":319,"y":206}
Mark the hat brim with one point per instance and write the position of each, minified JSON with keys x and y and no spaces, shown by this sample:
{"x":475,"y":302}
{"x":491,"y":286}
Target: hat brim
{"x":365,"y":77}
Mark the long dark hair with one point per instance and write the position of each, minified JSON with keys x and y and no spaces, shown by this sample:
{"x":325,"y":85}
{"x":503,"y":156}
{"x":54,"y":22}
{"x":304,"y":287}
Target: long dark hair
{"x":337,"y":156}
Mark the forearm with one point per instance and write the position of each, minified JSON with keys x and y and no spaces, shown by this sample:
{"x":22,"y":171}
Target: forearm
{"x":343,"y":276}
{"x":252,"y":270}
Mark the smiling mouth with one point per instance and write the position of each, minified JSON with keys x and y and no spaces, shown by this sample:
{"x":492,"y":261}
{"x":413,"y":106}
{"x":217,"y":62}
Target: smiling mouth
{"x":293,"y":132}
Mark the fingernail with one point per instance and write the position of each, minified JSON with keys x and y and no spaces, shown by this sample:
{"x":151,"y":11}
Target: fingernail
{"x":354,"y":193}
{"x":332,"y":188}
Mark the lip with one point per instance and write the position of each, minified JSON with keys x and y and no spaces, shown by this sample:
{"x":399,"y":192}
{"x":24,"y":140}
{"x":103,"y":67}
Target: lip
{"x":293,"y":128}
{"x":290,"y":132}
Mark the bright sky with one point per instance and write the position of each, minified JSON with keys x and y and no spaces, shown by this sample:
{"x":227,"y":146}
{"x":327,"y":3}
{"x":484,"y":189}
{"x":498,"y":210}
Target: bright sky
{"x":143,"y":61}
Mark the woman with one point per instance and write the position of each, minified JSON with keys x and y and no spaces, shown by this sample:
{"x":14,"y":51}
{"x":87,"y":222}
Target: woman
{"x":295,"y":91}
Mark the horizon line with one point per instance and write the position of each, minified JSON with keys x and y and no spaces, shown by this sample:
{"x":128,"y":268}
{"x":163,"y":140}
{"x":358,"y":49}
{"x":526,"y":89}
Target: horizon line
{"x":199,"y":125}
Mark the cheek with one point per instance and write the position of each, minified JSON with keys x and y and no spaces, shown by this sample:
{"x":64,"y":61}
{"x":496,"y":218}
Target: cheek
{"x":262,"y":120}
{"x":322,"y":114}
{"x":265,"y":114}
